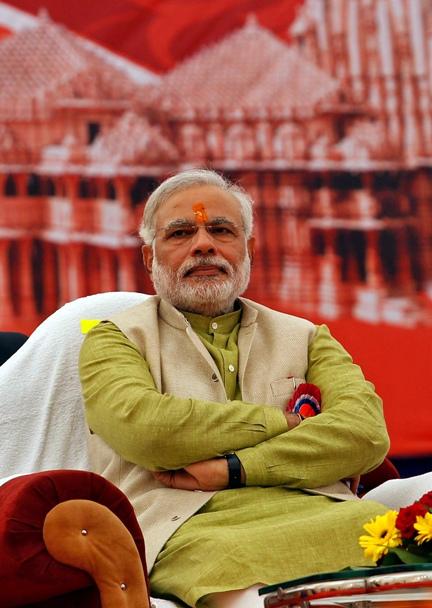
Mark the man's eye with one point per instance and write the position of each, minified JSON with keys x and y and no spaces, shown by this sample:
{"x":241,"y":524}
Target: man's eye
{"x":220,"y":230}
{"x":180,"y":233}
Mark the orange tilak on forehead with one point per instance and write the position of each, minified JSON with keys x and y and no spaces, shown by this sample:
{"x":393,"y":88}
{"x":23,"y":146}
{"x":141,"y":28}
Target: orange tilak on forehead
{"x":200,"y":213}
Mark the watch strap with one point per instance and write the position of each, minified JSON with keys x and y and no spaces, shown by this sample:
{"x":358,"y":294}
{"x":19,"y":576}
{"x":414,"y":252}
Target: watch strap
{"x":234,"y":471}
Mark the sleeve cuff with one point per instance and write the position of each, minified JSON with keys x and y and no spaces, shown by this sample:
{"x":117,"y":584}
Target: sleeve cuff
{"x":275,"y":421}
{"x":252,"y":458}
{"x":254,"y":468}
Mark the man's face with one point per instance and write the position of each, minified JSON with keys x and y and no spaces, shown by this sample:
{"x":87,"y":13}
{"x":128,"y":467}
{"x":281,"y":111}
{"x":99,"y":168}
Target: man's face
{"x":200,"y":259}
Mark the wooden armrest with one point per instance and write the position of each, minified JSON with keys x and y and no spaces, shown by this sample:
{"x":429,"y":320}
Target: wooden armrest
{"x":88,"y":536}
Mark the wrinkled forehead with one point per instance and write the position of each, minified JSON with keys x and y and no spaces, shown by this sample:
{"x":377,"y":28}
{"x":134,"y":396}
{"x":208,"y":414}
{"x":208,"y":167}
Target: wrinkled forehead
{"x":199,"y":204}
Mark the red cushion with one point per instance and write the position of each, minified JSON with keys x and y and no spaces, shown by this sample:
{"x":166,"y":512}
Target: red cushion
{"x":82,"y":598}
{"x":28,"y":573}
{"x":385,"y":471}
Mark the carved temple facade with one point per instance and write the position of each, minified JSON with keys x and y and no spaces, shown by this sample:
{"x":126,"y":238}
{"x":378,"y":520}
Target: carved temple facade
{"x":330,"y":133}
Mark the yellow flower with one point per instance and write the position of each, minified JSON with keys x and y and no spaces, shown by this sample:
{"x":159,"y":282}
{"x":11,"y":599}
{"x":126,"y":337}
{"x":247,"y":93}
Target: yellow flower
{"x":424,"y":527}
{"x":383,"y":536}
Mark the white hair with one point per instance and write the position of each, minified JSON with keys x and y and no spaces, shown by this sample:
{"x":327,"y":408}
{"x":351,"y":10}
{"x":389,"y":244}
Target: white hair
{"x":205,"y":296}
{"x":189,"y":179}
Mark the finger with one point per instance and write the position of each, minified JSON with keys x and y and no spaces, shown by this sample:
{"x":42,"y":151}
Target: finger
{"x":165,"y":477}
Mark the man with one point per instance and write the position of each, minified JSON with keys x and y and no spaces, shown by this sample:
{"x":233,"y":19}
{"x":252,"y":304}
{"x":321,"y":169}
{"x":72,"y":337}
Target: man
{"x":186,"y":394}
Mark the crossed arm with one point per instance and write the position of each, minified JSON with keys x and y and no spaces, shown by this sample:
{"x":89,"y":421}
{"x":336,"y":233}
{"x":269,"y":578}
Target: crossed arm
{"x":183,"y":439}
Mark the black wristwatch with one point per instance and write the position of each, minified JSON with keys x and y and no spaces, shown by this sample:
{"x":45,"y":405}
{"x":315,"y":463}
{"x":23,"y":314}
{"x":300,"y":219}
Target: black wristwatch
{"x":234,"y":471}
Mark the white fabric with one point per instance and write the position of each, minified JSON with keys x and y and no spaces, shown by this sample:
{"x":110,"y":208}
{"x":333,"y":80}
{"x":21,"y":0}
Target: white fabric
{"x":42,"y":425}
{"x":158,"y":603}
{"x":5,"y":479}
{"x":397,"y":493}
{"x":41,"y":421}
{"x":243,"y":598}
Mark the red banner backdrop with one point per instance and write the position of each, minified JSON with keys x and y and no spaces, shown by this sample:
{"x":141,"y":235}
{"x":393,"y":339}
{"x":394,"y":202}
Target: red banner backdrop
{"x":320,"y":108}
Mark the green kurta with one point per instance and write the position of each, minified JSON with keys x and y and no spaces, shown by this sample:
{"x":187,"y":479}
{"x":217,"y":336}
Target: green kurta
{"x":254,"y":534}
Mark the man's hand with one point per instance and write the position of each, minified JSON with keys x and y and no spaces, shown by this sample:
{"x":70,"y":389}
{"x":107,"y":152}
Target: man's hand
{"x":292,"y":419}
{"x":207,"y":475}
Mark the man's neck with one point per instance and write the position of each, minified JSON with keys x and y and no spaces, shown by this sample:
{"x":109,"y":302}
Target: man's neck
{"x":211,"y":310}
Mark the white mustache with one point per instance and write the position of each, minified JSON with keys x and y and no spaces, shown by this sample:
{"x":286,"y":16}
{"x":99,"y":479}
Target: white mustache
{"x":204,"y":261}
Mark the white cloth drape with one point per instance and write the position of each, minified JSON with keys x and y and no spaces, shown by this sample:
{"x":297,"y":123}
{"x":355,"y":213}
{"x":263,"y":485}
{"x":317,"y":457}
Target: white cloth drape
{"x":41,"y":423}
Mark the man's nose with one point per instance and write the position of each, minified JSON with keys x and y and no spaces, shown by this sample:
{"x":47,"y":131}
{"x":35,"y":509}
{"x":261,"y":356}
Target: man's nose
{"x":203,"y":242}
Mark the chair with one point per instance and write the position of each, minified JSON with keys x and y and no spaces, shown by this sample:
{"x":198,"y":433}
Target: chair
{"x":385,"y":471}
{"x":61,"y":532}
{"x":10,"y":342}
{"x":48,"y":430}
{"x":42,"y":426}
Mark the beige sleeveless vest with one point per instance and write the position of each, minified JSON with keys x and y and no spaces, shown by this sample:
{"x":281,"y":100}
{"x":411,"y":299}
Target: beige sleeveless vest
{"x":273,"y":360}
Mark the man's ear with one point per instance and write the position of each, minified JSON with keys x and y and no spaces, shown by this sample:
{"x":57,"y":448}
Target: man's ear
{"x":147,"y":253}
{"x":251,"y":247}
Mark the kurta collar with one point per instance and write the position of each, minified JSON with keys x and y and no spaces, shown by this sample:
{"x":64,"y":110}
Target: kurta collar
{"x":175,"y":318}
{"x":222,"y":324}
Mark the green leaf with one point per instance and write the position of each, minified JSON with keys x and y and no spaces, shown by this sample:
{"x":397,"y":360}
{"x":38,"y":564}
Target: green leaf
{"x":408,"y":558}
{"x":390,"y":559}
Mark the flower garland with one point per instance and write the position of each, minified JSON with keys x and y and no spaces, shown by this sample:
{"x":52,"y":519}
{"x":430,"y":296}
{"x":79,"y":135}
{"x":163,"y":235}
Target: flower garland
{"x":403,"y":536}
{"x":305,"y":401}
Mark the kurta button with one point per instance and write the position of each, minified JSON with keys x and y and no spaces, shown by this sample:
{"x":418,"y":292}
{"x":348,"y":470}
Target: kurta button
{"x":175,"y":517}
{"x":214,"y":377}
{"x":214,"y":325}
{"x":231,"y":367}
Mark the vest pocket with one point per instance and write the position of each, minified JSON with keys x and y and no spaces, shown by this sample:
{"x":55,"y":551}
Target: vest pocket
{"x":284,"y":387}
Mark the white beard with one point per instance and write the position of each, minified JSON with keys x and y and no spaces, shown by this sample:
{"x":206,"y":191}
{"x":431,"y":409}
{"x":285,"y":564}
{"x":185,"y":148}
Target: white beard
{"x":205,"y":295}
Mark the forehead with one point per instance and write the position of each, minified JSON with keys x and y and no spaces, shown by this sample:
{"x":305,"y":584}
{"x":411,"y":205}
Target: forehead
{"x":217,"y":203}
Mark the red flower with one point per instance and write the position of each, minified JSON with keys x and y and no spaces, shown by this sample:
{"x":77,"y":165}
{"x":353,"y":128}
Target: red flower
{"x":306,"y":400}
{"x":407,"y":518}
{"x":426,"y":500}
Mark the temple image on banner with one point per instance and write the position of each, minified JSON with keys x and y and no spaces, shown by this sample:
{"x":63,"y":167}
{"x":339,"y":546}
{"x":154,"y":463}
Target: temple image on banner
{"x":331,"y":133}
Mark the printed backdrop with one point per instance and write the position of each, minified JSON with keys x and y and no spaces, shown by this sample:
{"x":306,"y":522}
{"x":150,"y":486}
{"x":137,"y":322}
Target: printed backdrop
{"x":321,"y":109}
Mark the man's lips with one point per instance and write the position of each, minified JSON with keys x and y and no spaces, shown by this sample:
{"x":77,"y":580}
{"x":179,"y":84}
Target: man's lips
{"x":206,"y":270}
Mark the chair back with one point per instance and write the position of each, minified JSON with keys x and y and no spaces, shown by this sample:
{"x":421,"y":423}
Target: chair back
{"x":42,"y":423}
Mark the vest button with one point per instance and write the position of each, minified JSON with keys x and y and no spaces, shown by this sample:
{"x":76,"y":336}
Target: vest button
{"x":214,"y":377}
